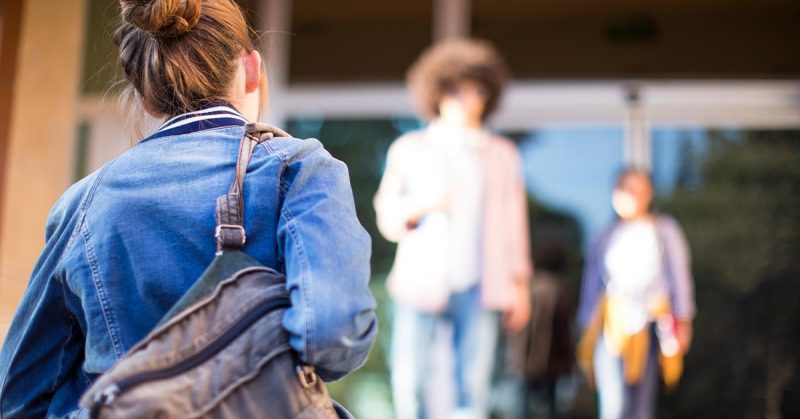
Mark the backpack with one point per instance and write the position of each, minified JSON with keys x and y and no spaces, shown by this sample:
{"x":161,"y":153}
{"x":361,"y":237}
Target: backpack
{"x":220,"y":351}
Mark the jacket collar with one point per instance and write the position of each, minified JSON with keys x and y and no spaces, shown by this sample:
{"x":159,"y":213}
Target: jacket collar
{"x":216,"y":114}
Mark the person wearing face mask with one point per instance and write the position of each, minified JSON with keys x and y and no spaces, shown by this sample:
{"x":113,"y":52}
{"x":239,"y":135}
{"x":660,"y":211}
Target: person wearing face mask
{"x":637,"y":303}
{"x":453,"y":197}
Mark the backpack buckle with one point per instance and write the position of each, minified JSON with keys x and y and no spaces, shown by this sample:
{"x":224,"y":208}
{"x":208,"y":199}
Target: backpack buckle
{"x":224,"y":241}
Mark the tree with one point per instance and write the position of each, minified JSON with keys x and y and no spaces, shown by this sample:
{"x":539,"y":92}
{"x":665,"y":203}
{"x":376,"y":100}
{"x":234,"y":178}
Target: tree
{"x":739,"y":202}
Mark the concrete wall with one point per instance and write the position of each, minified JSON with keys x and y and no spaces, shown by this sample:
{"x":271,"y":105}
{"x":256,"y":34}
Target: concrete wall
{"x":39,"y":159}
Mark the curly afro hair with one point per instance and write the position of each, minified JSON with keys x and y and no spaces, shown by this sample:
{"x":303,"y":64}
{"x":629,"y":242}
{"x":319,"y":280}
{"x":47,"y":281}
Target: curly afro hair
{"x":440,"y":69}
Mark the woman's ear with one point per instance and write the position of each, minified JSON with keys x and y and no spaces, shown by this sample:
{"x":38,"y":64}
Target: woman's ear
{"x":252,"y":71}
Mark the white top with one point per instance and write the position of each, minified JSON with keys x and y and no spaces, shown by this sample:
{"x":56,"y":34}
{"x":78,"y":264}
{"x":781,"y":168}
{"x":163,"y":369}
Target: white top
{"x":633,"y":261}
{"x":463,"y":180}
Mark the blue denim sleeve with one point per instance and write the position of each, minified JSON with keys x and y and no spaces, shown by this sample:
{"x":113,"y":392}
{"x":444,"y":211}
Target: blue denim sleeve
{"x":44,"y":346}
{"x":332,"y":321}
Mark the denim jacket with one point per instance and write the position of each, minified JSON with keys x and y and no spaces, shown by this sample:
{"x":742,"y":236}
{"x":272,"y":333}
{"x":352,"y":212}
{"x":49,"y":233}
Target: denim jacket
{"x":123,"y":244}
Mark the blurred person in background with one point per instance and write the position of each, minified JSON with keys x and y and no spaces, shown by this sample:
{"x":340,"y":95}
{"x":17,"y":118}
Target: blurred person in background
{"x":637,"y":303}
{"x":542,"y":352}
{"x":452,"y":197}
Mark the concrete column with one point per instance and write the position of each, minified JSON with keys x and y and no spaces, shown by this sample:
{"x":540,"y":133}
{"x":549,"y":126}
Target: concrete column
{"x":276,"y":21}
{"x":42,"y":130}
{"x":451,"y":19}
{"x":637,"y":131}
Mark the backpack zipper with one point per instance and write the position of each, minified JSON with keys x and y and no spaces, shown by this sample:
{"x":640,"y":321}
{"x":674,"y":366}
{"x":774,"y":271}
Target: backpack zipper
{"x":108,"y":394}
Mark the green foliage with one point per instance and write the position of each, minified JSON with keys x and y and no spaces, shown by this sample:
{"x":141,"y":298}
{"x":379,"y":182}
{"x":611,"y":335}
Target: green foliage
{"x":744,"y":208}
{"x":739,"y":202}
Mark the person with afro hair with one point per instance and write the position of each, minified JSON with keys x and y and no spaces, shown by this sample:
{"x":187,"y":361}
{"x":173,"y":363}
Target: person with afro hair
{"x":453,"y":198}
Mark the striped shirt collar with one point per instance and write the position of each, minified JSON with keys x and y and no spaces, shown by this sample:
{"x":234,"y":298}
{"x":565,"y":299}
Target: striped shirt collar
{"x":214,"y":115}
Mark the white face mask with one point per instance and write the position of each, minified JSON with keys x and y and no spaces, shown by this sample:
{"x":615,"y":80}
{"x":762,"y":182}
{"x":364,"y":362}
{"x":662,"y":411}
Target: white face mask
{"x":624,"y":204}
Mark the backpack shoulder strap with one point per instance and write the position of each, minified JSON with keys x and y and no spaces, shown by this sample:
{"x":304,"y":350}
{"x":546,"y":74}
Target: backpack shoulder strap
{"x":230,"y":232}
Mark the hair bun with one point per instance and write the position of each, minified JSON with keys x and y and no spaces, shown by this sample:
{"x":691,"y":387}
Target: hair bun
{"x":162,"y":18}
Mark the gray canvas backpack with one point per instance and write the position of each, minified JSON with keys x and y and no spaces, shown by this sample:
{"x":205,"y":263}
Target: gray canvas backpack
{"x":220,"y":352}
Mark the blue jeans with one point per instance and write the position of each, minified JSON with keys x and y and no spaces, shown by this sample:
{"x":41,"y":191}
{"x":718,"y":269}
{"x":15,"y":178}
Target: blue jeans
{"x":475,"y":332}
{"x":619,"y":400}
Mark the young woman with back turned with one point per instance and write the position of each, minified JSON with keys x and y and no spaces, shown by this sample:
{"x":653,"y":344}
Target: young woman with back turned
{"x":124,"y":244}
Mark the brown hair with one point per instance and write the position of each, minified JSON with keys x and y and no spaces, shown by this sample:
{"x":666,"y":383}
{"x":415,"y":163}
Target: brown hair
{"x":440,"y":69}
{"x":179,"y":55}
{"x":644,"y":174}
{"x":633,"y":171}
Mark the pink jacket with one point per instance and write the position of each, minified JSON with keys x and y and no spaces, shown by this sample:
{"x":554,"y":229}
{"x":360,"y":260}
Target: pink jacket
{"x":415,"y":278}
